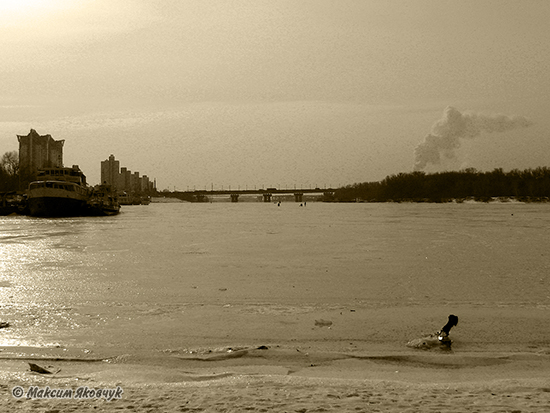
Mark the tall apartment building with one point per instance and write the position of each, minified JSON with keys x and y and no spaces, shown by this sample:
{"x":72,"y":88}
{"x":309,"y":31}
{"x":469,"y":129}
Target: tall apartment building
{"x":122,"y":179}
{"x":110,"y":172}
{"x":145,"y":184}
{"x":37,"y":152}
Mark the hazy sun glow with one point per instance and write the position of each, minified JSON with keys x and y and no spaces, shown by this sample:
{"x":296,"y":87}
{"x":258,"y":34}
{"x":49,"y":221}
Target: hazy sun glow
{"x":23,"y":5}
{"x":12,"y":12}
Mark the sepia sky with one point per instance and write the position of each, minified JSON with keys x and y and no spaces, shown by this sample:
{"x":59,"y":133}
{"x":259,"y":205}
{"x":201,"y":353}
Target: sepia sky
{"x":252,"y":93}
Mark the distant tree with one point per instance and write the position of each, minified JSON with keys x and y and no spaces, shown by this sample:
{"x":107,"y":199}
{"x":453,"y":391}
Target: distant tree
{"x":9,"y":171}
{"x":10,"y":163}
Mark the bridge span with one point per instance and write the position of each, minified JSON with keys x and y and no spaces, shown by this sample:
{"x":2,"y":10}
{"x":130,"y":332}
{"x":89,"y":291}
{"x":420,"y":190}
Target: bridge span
{"x":267,"y":194}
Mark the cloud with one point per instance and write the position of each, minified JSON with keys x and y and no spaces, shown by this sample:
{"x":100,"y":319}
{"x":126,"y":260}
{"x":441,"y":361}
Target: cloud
{"x":448,"y":132}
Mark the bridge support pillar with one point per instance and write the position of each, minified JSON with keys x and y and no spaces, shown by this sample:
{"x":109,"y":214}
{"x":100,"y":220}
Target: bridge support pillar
{"x":234,"y":197}
{"x":267,"y":197}
{"x":298,"y":196}
{"x":201,"y":198}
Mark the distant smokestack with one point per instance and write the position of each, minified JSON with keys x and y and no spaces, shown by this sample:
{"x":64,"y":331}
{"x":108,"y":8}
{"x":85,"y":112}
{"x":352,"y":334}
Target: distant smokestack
{"x":454,"y":126}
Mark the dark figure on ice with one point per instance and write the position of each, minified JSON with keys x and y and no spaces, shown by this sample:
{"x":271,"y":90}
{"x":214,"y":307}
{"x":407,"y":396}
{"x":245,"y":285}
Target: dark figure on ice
{"x":440,"y":339}
{"x":443,"y":335}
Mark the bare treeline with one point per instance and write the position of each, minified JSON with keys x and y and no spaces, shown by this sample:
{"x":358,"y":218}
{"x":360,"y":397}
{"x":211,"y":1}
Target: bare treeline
{"x":528,"y":185}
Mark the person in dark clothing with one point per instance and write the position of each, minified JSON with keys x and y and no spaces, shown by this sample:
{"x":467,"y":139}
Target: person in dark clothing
{"x":440,"y":339}
{"x":443,"y":335}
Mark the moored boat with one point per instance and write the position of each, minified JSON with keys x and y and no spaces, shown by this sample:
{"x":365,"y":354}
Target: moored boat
{"x":11,"y":203}
{"x":125,"y":198}
{"x":58,"y":192}
{"x":103,"y":201}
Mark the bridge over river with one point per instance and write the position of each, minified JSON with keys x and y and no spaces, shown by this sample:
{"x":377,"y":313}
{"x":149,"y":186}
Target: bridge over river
{"x":267,"y":194}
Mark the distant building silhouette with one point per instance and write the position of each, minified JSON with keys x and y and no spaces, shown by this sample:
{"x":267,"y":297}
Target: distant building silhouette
{"x":122,"y":179}
{"x":37,"y":152}
{"x":109,"y":171}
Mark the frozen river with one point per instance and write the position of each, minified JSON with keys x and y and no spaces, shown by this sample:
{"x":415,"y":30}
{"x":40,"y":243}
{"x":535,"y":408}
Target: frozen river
{"x":168,"y":278}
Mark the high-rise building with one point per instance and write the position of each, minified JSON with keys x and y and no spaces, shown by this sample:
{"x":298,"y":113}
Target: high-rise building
{"x":110,"y":172}
{"x":122,"y":179}
{"x":145,"y":187}
{"x":37,"y":152}
{"x":135,"y":185}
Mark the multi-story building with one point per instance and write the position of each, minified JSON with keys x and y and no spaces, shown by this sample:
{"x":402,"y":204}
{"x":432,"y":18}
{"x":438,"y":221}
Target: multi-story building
{"x":122,"y":179}
{"x":109,"y":171}
{"x":145,"y":187}
{"x":135,"y":184}
{"x":37,"y":152}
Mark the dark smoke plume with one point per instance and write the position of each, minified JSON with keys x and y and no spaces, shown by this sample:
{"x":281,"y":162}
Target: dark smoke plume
{"x":448,"y":131}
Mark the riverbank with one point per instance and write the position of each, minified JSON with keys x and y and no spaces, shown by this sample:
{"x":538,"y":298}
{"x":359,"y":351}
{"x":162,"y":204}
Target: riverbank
{"x":280,"y":380}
